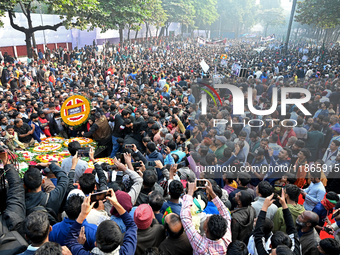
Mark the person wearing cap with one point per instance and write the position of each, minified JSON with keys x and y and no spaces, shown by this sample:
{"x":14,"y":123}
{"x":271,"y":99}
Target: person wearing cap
{"x":150,"y":233}
{"x":325,"y":208}
{"x":220,"y":142}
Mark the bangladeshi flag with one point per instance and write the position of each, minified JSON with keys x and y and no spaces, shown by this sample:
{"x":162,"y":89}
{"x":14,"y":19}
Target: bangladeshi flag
{"x":167,"y":211}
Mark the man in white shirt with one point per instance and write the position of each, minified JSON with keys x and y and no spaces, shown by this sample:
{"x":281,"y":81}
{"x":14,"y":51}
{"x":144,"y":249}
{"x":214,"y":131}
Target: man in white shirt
{"x":263,"y":190}
{"x":82,"y":165}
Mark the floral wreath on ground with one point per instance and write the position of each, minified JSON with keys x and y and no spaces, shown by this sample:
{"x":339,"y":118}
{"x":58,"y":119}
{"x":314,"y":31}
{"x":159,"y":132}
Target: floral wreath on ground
{"x":53,"y":139}
{"x":82,"y":140}
{"x":47,"y":148}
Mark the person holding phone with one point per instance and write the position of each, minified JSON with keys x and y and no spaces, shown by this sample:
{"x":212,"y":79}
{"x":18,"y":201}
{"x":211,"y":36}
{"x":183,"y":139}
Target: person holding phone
{"x":82,"y":165}
{"x":108,"y":236}
{"x":217,"y":232}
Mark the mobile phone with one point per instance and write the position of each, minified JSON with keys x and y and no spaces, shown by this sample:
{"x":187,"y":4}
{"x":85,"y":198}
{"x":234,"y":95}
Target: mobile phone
{"x":128,"y":146}
{"x":85,"y":152}
{"x":335,"y":214}
{"x":100,"y":196}
{"x":201,"y":183}
{"x":151,"y":163}
{"x":136,"y":164}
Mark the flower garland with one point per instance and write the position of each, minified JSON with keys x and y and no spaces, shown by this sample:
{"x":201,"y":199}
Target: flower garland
{"x":80,"y":116}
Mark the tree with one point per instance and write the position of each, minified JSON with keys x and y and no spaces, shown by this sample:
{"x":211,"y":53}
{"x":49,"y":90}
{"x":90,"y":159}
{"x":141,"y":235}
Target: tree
{"x":181,"y":11}
{"x":270,"y":13}
{"x":75,"y":13}
{"x":122,"y":13}
{"x":323,"y":14}
{"x":205,"y":13}
{"x":235,"y":15}
{"x":271,"y":17}
{"x":158,"y":16}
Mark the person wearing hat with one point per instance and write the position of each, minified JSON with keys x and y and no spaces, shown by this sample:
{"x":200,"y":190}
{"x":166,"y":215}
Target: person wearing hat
{"x":150,"y":233}
{"x":325,"y":208}
{"x":220,"y":142}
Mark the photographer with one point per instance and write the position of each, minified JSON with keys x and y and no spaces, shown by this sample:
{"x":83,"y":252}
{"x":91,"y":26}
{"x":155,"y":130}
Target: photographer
{"x":35,"y":197}
{"x":134,"y":177}
{"x":108,"y":236}
{"x":73,"y":148}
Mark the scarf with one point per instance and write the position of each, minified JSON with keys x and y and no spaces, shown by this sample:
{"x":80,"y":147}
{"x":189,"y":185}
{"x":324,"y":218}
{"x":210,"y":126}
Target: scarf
{"x":328,"y":204}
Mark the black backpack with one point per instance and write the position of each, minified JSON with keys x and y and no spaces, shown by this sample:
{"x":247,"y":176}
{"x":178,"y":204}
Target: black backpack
{"x":52,"y":217}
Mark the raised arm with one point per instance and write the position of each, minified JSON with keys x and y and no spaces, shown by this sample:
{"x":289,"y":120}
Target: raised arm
{"x":194,"y":237}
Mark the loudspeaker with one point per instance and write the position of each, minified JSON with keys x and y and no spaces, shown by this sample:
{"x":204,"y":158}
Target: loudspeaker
{"x":243,"y":72}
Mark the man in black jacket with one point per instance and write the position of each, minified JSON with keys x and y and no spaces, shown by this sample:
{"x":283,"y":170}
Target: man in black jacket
{"x":15,"y":212}
{"x":117,"y":132}
{"x":36,"y":197}
{"x":280,"y":242}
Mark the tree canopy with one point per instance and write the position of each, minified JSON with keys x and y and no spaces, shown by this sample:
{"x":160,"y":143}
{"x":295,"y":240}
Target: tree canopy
{"x":321,"y":13}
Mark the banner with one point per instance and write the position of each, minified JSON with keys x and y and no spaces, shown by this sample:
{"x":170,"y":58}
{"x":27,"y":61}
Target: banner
{"x":203,"y":41}
{"x":251,"y":35}
{"x":268,"y":38}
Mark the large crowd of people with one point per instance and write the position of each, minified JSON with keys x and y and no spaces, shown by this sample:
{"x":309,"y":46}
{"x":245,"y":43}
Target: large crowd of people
{"x":164,"y":193}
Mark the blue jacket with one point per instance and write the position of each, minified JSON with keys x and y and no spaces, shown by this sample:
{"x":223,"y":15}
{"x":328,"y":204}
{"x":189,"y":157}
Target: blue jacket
{"x":320,"y":210}
{"x":37,"y":131}
{"x":127,"y":248}
{"x":61,"y":229}
{"x":155,"y":155}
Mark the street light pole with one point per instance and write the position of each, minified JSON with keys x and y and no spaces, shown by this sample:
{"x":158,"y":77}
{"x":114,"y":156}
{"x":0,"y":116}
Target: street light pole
{"x":290,"y":25}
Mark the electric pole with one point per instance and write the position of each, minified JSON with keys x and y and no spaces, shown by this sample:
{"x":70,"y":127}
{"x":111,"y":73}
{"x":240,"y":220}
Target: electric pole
{"x":290,"y":25}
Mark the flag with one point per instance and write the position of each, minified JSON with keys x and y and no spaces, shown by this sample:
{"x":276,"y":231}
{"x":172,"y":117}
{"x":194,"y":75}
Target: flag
{"x":167,"y":211}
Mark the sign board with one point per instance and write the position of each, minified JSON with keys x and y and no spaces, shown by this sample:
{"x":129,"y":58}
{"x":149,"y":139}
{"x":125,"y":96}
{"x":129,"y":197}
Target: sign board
{"x":204,"y":66}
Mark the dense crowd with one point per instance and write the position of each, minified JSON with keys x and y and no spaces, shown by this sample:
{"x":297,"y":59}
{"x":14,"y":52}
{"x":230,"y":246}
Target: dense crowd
{"x":164,"y":194}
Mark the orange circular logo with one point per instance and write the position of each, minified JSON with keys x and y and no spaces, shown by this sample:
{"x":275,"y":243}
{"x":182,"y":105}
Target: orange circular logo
{"x":75,"y":110}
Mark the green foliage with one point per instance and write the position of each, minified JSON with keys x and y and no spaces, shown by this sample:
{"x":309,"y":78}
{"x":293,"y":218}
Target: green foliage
{"x":123,"y":12}
{"x":75,"y":13}
{"x":271,"y":17}
{"x":205,"y":12}
{"x":235,"y":14}
{"x":158,"y":15}
{"x":182,"y":11}
{"x":321,"y":13}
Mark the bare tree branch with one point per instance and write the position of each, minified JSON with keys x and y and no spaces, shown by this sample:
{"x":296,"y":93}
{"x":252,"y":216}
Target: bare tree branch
{"x":23,"y":8}
{"x":48,"y":27}
{"x":15,"y":26}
